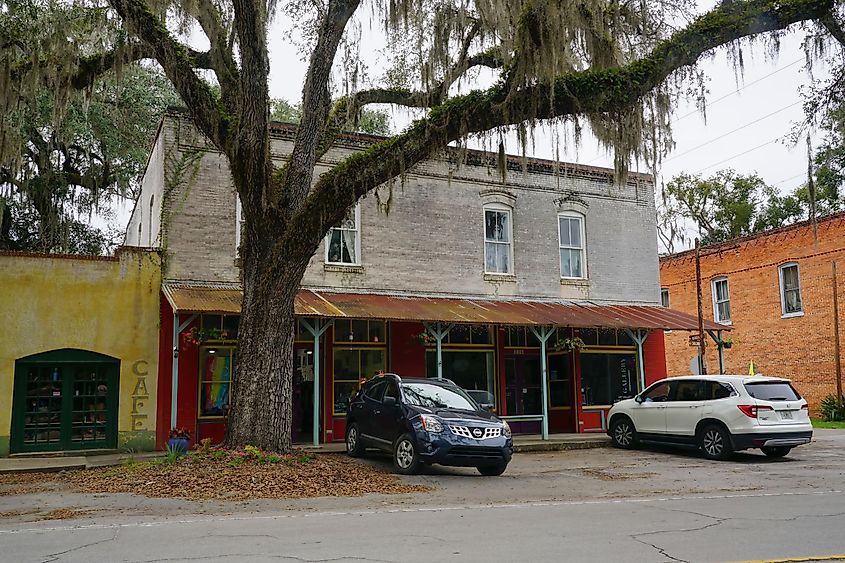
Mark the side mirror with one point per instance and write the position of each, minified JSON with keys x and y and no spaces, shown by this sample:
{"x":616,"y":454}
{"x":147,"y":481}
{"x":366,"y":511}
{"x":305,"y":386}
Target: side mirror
{"x":389,"y":401}
{"x":489,"y":407}
{"x":638,"y":399}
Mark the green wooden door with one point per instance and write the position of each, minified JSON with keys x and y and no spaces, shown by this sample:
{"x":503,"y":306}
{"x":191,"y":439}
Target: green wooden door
{"x":65,"y":400}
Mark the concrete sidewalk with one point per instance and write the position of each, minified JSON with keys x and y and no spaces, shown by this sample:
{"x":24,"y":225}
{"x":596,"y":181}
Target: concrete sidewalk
{"x":58,"y":462}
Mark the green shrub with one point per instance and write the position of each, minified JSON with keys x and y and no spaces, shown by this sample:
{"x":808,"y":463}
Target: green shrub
{"x":830,"y":410}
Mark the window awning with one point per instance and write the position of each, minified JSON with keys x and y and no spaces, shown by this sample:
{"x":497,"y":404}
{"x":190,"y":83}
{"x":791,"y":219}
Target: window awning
{"x":226,"y":299}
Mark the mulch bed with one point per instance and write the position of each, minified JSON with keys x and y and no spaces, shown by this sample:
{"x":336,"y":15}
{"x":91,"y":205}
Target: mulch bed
{"x":206,"y":478}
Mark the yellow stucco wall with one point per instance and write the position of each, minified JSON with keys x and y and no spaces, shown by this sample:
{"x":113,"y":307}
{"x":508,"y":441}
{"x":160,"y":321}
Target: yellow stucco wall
{"x":109,"y":306}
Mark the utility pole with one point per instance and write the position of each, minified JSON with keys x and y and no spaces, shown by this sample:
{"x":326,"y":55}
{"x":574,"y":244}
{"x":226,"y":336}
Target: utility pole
{"x":702,"y":343}
{"x":836,"y":338}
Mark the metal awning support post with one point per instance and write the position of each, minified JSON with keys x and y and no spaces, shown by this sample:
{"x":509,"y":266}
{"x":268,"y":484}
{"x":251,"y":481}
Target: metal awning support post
{"x":639,"y":337}
{"x":439,"y":333}
{"x":543,"y":334}
{"x":720,"y":345}
{"x":316,"y":330}
{"x":174,"y":378}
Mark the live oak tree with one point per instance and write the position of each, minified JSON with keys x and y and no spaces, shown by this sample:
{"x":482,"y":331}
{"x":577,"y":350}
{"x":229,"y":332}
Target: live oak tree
{"x":617,"y":64}
{"x":64,"y":163}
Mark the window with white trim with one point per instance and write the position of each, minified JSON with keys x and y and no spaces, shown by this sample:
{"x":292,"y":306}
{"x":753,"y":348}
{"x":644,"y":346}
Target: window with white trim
{"x":664,"y":296}
{"x":721,"y":300}
{"x":571,"y":241}
{"x":343,"y":242}
{"x":498,"y":240}
{"x":790,"y":290}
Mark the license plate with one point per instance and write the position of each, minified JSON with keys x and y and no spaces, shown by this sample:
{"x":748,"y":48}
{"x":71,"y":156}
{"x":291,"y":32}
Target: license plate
{"x":786,"y":415}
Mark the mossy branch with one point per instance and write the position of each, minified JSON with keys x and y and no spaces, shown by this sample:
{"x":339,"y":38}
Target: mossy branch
{"x":180,"y":67}
{"x":591,"y":91}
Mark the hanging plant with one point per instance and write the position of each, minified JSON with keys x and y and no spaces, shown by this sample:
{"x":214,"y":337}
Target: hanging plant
{"x":199,"y":335}
{"x":425,"y":339}
{"x":568,"y":344}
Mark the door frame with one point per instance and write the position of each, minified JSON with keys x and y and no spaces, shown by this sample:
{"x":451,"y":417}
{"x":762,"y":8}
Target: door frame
{"x":64,"y":357}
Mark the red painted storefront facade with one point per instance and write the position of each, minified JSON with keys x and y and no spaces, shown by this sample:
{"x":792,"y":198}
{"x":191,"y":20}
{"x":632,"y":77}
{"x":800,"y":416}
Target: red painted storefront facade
{"x":575,"y":403}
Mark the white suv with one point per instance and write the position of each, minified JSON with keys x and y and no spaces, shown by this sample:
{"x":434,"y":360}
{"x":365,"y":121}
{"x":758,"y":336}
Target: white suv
{"x":717,"y":413}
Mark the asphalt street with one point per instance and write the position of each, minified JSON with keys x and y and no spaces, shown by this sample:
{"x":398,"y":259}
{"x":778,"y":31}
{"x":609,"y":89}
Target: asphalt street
{"x":596,"y":505}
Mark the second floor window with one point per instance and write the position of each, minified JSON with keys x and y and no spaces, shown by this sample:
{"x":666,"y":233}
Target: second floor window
{"x":721,"y":301}
{"x":571,"y":239}
{"x":498,"y":235}
{"x":344,"y":241}
{"x":790,"y":290}
{"x":664,"y":296}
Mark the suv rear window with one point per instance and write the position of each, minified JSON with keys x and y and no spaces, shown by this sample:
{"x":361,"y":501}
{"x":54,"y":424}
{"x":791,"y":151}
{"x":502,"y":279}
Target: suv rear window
{"x":772,"y":391}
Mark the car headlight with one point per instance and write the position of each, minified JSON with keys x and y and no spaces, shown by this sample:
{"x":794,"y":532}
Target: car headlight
{"x":506,"y":429}
{"x":431,"y":423}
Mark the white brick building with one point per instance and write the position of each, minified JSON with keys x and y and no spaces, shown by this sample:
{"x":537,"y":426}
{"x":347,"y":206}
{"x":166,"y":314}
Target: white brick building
{"x":554,"y":248}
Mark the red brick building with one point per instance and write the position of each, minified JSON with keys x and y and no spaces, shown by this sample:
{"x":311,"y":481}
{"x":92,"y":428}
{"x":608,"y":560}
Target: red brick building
{"x":775,"y":290}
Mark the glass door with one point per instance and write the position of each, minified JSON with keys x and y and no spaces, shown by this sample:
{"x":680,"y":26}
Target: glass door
{"x":522,"y":390}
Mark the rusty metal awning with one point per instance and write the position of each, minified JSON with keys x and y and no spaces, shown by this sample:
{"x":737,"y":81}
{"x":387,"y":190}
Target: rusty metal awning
{"x":226,"y":299}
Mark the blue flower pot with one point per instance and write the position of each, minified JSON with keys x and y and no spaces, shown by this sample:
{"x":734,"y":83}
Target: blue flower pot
{"x":178,"y":444}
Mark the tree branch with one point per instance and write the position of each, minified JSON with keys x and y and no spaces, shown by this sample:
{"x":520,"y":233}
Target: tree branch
{"x":591,"y":91}
{"x":830,"y":22}
{"x":220,"y":53}
{"x":316,"y":100}
{"x":179,"y":66}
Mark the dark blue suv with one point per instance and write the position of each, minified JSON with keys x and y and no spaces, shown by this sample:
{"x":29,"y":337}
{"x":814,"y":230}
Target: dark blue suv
{"x":425,"y":421}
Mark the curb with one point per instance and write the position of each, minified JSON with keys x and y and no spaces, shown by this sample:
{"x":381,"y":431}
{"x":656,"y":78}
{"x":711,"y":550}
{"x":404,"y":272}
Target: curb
{"x":562,"y":446}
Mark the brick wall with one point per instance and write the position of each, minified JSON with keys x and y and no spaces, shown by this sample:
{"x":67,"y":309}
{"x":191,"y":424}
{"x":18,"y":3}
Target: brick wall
{"x":431,"y":240}
{"x":800,"y":347}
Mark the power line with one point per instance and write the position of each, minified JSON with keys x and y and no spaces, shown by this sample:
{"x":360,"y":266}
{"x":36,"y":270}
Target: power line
{"x":743,"y":87}
{"x":732,"y":132}
{"x":738,"y":155}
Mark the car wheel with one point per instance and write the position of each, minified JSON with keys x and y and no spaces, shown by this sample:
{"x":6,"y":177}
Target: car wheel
{"x":405,"y":457}
{"x":776,"y":451}
{"x":715,"y":442}
{"x":354,"y":447}
{"x":623,"y":433}
{"x":492,"y":470}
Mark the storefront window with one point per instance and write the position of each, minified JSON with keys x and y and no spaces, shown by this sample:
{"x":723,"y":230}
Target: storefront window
{"x":351,"y":367}
{"x":470,"y":369}
{"x":371,"y":332}
{"x":560,"y":368}
{"x":216,"y":364}
{"x":606,"y":377}
{"x":522,"y":337}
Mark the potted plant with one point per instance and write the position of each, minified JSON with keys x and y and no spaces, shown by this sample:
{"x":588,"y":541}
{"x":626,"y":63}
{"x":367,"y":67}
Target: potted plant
{"x":179,"y":438}
{"x":199,"y":335}
{"x":425,"y":339}
{"x":727,"y":343}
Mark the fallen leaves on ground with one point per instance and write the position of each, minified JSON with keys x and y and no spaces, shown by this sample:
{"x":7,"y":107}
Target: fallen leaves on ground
{"x":65,"y":514}
{"x":204,"y":478}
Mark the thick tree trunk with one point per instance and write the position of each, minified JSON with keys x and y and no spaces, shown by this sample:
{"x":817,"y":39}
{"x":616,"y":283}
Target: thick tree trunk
{"x":260,"y":413}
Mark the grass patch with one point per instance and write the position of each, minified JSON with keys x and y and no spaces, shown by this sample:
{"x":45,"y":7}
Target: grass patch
{"x":819,"y":423}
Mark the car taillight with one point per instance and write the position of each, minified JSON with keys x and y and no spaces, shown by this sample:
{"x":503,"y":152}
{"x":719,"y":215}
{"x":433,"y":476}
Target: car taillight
{"x":752,"y":410}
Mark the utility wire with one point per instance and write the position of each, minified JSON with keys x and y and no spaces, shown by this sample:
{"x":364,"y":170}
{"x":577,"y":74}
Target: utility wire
{"x":769,"y":142}
{"x":740,"y":128}
{"x":743,"y":87}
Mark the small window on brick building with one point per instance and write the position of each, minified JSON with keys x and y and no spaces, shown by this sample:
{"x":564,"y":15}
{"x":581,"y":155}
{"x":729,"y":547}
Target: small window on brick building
{"x":571,"y":240}
{"x":664,"y":296}
{"x":498,"y":237}
{"x":721,"y":301}
{"x":790,"y":290}
{"x":344,"y":240}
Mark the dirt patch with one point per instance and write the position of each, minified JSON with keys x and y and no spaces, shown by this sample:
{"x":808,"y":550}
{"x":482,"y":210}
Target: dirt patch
{"x":65,"y":514}
{"x":204,"y":478}
{"x":608,"y":475}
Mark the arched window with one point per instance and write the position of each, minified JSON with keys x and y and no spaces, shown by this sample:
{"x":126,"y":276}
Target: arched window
{"x":790,"y":290}
{"x":498,"y":239}
{"x":573,"y":257}
{"x":721,"y":300}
